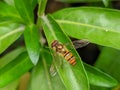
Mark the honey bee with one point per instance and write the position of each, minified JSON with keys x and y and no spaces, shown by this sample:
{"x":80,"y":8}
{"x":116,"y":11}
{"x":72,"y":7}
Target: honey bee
{"x":61,"y":49}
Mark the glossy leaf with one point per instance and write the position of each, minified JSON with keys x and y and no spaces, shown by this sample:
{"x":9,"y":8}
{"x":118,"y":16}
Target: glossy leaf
{"x":98,"y":78}
{"x":9,"y":32}
{"x":25,"y":10}
{"x":41,"y":78}
{"x":15,"y":69}
{"x":73,"y":77}
{"x":8,"y":12}
{"x":10,"y":56}
{"x":109,"y":61}
{"x":32,"y":43}
{"x":94,"y":24}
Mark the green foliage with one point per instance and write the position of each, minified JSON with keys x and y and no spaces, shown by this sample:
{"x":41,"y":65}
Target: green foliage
{"x":97,"y":25}
{"x":71,"y":76}
{"x":32,"y":42}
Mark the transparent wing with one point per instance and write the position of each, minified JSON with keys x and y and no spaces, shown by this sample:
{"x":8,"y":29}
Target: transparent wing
{"x":80,"y":43}
{"x":53,"y":70}
{"x":58,"y":62}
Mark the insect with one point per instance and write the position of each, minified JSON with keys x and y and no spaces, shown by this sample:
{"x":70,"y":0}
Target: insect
{"x":61,"y":49}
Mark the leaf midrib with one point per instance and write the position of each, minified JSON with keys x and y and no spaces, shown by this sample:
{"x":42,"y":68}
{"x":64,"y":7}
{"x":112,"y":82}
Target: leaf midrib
{"x":87,"y":25}
{"x":13,"y":32}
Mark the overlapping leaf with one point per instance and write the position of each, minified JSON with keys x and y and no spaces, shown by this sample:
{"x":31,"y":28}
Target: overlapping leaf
{"x":98,"y":78}
{"x":9,"y":32}
{"x":25,"y":10}
{"x":8,"y":12}
{"x":94,"y":24}
{"x":41,"y":78}
{"x":15,"y":69}
{"x":73,"y":77}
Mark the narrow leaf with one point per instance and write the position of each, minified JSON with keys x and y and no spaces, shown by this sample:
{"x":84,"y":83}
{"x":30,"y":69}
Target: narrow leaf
{"x":25,"y":10}
{"x":99,"y":78}
{"x":32,"y":43}
{"x":9,"y":32}
{"x":73,"y":77}
{"x":109,"y":61}
{"x":15,"y":69}
{"x":10,"y":56}
{"x":94,"y":24}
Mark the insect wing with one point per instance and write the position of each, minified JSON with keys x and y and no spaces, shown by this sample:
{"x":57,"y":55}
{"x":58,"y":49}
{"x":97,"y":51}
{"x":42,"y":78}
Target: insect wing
{"x":53,"y":70}
{"x":57,"y":60}
{"x":80,"y":43}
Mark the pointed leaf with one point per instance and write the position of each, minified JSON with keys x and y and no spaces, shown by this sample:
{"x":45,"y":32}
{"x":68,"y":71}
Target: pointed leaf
{"x":9,"y":32}
{"x":73,"y":77}
{"x":25,"y":10}
{"x":94,"y":24}
{"x":32,"y":43}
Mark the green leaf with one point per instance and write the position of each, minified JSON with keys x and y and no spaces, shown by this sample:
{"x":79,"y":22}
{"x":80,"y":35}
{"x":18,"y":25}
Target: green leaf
{"x":33,"y":3}
{"x":25,"y":10}
{"x":106,"y":2}
{"x":15,"y":69}
{"x":94,"y":24}
{"x":41,"y":8}
{"x":98,"y":88}
{"x":9,"y":32}
{"x":11,"y":86}
{"x":109,"y":61}
{"x":99,"y":78}
{"x":9,"y":2}
{"x":32,"y":43}
{"x":41,"y":79}
{"x":41,"y":11}
{"x":8,"y":12}
{"x":10,"y":56}
{"x":73,"y":77}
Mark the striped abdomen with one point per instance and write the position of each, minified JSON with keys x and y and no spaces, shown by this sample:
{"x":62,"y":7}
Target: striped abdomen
{"x":70,"y":58}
